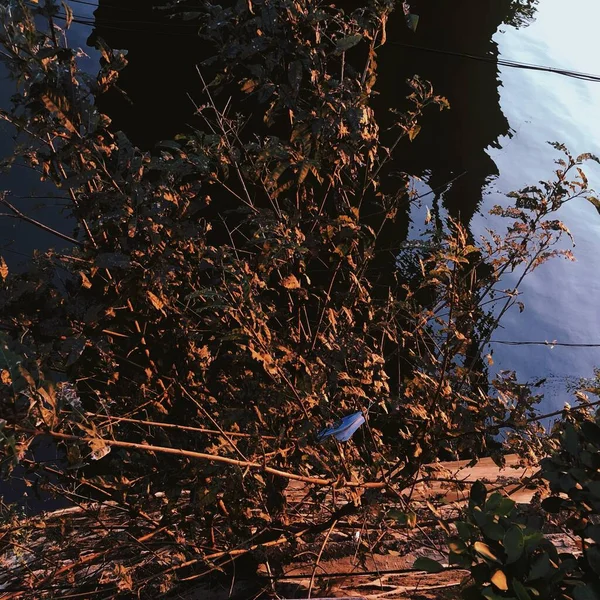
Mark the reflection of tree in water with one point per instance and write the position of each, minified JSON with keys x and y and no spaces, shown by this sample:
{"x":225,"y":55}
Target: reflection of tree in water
{"x":161,"y":74}
{"x":453,"y":143}
{"x":162,"y":55}
{"x":521,"y":12}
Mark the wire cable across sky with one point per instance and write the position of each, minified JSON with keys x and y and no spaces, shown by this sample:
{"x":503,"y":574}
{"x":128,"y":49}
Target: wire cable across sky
{"x":514,"y":64}
{"x":505,"y":62}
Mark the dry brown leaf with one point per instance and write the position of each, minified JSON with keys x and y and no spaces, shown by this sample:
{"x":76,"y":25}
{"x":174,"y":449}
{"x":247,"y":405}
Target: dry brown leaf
{"x":290,"y":282}
{"x":124,"y":580}
{"x":99,"y":448}
{"x":5,"y":377}
{"x":85,"y":282}
{"x":155,"y":300}
{"x":499,"y":580}
{"x":54,"y":108}
{"x":3,"y":268}
{"x":249,"y":85}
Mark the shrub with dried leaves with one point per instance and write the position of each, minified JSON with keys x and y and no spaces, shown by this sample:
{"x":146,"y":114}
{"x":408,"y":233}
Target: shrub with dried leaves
{"x":226,"y":296}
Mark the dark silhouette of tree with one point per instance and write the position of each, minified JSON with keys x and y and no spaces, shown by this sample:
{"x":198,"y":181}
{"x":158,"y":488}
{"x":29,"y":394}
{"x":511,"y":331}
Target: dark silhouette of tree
{"x":452,"y":145}
{"x":161,"y":81}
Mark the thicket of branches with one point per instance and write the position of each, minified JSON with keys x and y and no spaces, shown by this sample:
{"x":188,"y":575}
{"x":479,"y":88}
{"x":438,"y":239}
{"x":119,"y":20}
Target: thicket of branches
{"x":225,"y":297}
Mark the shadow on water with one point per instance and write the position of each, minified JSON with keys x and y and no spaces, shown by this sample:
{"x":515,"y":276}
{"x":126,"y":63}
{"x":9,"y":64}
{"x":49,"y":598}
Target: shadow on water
{"x":452,"y":144}
{"x":33,"y":492}
{"x":162,"y":55}
{"x":26,"y":189}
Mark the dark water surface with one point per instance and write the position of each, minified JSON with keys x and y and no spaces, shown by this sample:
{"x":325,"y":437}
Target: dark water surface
{"x":39,"y":200}
{"x":492,"y":139}
{"x":43,"y":202}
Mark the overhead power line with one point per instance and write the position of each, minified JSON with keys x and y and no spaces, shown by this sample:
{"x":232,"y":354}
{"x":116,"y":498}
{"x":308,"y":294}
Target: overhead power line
{"x":513,"y":64}
{"x":544,"y":343}
{"x":504,"y":62}
{"x":121,"y":7}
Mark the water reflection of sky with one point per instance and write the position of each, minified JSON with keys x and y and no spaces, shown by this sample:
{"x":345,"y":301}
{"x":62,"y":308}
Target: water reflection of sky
{"x":561,"y":297}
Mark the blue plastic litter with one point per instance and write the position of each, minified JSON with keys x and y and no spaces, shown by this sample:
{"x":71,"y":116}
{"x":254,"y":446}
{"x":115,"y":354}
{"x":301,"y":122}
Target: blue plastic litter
{"x":344,"y":429}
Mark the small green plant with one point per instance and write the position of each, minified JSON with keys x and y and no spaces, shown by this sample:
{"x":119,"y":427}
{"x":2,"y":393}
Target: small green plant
{"x":573,"y":475}
{"x":505,"y":550}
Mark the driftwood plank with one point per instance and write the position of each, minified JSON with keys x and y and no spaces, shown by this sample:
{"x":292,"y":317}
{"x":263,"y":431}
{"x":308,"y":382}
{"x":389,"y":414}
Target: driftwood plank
{"x":512,"y":479}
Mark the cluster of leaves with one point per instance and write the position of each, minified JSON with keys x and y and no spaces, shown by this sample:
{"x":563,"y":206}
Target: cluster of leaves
{"x":573,"y":474}
{"x":507,"y":553}
{"x":521,"y":12}
{"x":226,"y":296}
{"x":449,"y":334}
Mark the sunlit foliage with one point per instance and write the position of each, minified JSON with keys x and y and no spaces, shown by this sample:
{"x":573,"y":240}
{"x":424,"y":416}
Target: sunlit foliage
{"x":227,"y":296}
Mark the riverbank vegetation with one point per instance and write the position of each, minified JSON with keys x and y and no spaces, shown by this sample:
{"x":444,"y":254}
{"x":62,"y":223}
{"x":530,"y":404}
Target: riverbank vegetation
{"x":225,"y":297}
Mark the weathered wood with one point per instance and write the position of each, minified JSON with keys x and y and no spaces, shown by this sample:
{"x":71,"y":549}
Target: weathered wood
{"x":512,"y":479}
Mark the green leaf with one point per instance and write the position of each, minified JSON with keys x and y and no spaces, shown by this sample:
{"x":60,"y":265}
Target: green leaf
{"x":541,"y":567}
{"x":478,"y":494}
{"x":593,"y":557}
{"x":553,"y":504}
{"x":579,"y":473}
{"x":169,"y":145}
{"x":593,"y":532}
{"x":594,"y":487}
{"x":427,"y":564}
{"x":505,"y":507}
{"x":568,"y":564}
{"x":412,"y":21}
{"x":403,"y":518}
{"x":190,"y":15}
{"x":514,"y":544}
{"x":493,"y":531}
{"x":396,"y":514}
{"x":464,"y":530}
{"x":589,"y":459}
{"x":520,"y":590}
{"x":566,"y":482}
{"x":490,"y":594}
{"x":347,"y":42}
{"x":481,"y":573}
{"x":470,"y":591}
{"x":111,"y":260}
{"x":585,"y":592}
{"x":77,"y":347}
{"x":591,"y":431}
{"x":460,"y":560}
{"x":485,"y":551}
{"x":532,"y":539}
{"x":295,"y":75}
{"x":571,"y":440}
{"x":481,"y":518}
{"x":493,"y":502}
